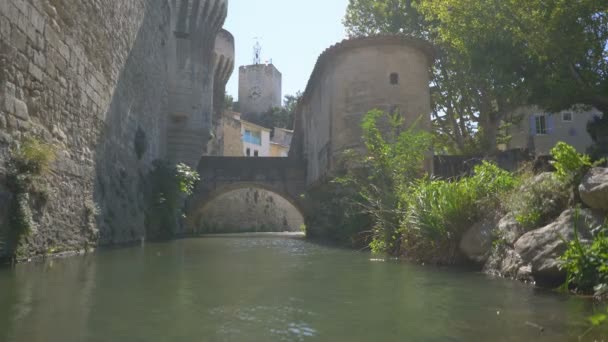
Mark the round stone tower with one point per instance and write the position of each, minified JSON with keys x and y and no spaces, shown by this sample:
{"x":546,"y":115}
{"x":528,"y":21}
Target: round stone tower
{"x":390,"y":73}
{"x":224,"y":66}
{"x":195,"y":26}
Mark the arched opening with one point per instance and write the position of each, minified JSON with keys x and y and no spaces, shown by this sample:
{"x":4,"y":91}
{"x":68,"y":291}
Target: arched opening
{"x":247,"y":209}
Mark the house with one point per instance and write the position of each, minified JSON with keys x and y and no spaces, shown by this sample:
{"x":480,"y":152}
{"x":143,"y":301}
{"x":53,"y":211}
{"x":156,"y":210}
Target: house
{"x":281,"y":142}
{"x":256,"y":140}
{"x":539,"y":131}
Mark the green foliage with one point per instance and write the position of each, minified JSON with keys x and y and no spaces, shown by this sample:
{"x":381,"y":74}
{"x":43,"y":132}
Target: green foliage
{"x":281,"y":117}
{"x":496,"y":56}
{"x":186,"y":178}
{"x":537,"y":200}
{"x":228,"y":101}
{"x":598,"y":130}
{"x":440,"y":210}
{"x":32,"y":157}
{"x":586,"y":264}
{"x":569,"y":164}
{"x":29,"y":162}
{"x":168,"y":185}
{"x":381,"y":175}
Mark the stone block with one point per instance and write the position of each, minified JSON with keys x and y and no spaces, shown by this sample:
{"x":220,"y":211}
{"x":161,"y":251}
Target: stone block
{"x":5,"y":27}
{"x":21,"y":110}
{"x":19,"y":40}
{"x":36,"y":72}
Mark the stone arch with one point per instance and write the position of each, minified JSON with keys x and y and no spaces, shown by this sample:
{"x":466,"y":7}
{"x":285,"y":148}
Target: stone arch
{"x":198,"y":205}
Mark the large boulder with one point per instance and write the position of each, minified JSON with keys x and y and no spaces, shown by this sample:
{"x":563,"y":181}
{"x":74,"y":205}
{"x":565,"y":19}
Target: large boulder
{"x":509,"y":230}
{"x":594,"y":188}
{"x":476,"y":243}
{"x":542,"y":248}
{"x":505,"y":262}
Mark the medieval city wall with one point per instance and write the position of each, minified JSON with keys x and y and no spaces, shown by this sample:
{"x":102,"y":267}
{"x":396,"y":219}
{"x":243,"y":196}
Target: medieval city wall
{"x":91,"y":78}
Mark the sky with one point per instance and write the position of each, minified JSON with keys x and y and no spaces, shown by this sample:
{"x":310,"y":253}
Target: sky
{"x":293,"y":33}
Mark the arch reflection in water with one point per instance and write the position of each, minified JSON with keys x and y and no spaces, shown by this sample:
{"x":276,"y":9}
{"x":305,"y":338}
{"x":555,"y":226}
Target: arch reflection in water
{"x":250,"y":209}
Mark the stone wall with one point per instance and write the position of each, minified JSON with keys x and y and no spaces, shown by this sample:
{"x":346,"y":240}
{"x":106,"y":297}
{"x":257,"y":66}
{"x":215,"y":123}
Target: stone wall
{"x":90,"y":77}
{"x":232,"y":138}
{"x":352,"y":78}
{"x":250,"y":210}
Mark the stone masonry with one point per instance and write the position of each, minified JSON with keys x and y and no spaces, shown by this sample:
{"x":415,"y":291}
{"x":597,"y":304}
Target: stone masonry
{"x":96,"y":78}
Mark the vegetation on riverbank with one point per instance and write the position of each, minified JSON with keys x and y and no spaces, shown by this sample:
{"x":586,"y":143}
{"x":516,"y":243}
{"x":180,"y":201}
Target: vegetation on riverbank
{"x":383,"y":201}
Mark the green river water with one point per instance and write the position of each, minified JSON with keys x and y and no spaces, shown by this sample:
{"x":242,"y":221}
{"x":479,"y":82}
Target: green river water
{"x":272,"y":288}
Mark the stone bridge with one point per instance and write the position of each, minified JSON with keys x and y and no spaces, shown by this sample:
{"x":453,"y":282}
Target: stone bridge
{"x":285,"y":177}
{"x":390,"y":73}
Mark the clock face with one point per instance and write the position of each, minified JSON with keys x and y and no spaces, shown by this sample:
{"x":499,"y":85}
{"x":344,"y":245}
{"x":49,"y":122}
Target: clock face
{"x":255,"y":93}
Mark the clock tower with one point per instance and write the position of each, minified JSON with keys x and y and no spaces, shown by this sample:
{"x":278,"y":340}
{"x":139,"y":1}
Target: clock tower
{"x":259,"y":86}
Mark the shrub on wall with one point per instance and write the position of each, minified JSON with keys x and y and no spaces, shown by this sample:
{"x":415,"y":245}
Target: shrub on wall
{"x":168,"y":184}
{"x":27,"y":165}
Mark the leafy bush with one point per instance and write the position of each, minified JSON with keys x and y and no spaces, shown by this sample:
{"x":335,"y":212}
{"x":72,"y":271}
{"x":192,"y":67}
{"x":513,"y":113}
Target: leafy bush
{"x":587,"y":264}
{"x":28,"y":163}
{"x":569,"y":164}
{"x":538,"y":199}
{"x":440,"y":211}
{"x":168,"y":185}
{"x":380,"y":176}
{"x":33,"y":157}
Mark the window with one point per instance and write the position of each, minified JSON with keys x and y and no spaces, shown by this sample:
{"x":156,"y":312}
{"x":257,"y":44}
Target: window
{"x":248,"y":152}
{"x":541,"y":124}
{"x":256,"y":154}
{"x":394,"y":78}
{"x":253,"y":137}
{"x":567,"y":117}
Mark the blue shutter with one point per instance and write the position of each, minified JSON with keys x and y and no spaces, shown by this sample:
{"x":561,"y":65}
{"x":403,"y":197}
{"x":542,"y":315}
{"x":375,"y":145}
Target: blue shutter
{"x":550,"y":119}
{"x":532,"y":125}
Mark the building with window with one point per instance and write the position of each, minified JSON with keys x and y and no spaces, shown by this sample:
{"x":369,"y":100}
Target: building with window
{"x":256,"y":140}
{"x":280,"y":142}
{"x":539,"y":131}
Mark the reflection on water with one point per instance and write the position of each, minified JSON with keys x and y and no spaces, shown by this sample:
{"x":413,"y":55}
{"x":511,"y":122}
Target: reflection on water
{"x":272,"y":288}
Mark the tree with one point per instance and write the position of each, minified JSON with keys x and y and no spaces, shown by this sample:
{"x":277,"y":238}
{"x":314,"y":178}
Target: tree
{"x":281,"y":117}
{"x":498,"y":55}
{"x":228,"y":101}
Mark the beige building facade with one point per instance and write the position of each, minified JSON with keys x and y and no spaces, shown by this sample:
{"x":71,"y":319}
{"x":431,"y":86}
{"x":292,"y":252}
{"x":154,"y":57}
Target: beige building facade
{"x":539,"y":131}
{"x":281,"y":142}
{"x":351,"y":78}
{"x":256,"y":140}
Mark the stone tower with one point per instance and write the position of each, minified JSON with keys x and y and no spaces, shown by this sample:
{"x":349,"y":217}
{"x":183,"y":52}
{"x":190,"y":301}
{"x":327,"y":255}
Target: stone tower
{"x":259,"y":88}
{"x":195,"y":25}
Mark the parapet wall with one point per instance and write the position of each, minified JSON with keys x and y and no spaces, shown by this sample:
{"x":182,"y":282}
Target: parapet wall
{"x":92,"y":78}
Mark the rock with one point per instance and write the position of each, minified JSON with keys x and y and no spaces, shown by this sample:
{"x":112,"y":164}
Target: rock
{"x":476,"y":243}
{"x":21,"y":110}
{"x":594,"y":188}
{"x":503,"y":261}
{"x":543,"y":247}
{"x":509,"y":230}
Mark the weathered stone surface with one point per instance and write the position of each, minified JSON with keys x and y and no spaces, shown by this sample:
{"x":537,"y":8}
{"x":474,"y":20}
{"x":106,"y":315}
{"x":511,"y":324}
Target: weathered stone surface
{"x":509,"y":230}
{"x":543,"y":247}
{"x":87,"y":76}
{"x":505,"y":262}
{"x":476,"y":243}
{"x":594,"y":188}
{"x":5,"y":200}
